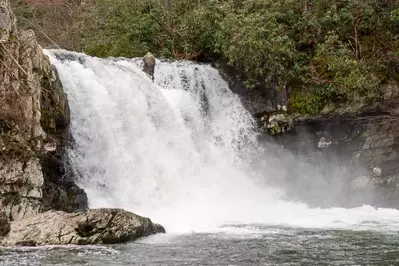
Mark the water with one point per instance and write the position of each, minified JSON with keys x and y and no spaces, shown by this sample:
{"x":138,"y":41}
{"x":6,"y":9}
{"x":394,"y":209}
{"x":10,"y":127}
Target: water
{"x":268,"y":246}
{"x":184,"y":152}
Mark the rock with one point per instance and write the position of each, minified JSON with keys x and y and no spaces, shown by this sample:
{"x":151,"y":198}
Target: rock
{"x":160,"y":229}
{"x":149,"y":65}
{"x":97,"y":226}
{"x":7,"y":21}
{"x":4,"y":226}
{"x":342,"y":160}
{"x":390,"y":90}
{"x":34,"y":128}
{"x":21,"y":188}
{"x":66,"y":197}
{"x":260,"y":98}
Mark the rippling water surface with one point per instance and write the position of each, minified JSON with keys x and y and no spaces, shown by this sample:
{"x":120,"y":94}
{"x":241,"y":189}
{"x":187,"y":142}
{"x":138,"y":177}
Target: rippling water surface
{"x":247,"y":245}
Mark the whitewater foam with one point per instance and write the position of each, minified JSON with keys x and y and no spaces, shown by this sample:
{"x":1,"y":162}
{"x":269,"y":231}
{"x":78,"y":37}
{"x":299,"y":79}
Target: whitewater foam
{"x":180,"y":150}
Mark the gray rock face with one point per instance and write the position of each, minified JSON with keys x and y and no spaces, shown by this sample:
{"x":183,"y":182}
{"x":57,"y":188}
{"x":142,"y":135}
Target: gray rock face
{"x":343,"y":160}
{"x":34,"y":120}
{"x":21,"y":188}
{"x":97,"y":226}
{"x":7,"y":21}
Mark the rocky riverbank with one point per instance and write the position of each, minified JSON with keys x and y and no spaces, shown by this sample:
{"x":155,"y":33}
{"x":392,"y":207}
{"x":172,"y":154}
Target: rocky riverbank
{"x":34,"y":134}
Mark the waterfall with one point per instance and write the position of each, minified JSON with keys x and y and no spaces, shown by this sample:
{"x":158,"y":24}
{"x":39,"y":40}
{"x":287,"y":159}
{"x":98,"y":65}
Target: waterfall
{"x":181,"y":150}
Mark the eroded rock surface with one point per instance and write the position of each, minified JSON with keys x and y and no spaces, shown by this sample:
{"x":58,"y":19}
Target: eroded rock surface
{"x":97,"y":226}
{"x":34,"y":121}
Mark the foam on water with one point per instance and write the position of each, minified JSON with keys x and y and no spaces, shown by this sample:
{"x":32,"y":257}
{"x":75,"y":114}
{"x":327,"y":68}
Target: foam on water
{"x":181,"y":150}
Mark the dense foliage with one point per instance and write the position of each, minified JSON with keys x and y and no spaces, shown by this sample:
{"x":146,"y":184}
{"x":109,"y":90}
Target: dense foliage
{"x":320,"y":51}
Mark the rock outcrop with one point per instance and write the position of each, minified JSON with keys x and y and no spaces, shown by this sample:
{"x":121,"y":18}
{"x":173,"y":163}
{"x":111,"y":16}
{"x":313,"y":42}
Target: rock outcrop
{"x":97,"y":226}
{"x":39,"y":202}
{"x":34,"y":120}
{"x":342,"y":159}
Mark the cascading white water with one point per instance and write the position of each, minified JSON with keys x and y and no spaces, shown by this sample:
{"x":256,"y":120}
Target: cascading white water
{"x":180,"y":150}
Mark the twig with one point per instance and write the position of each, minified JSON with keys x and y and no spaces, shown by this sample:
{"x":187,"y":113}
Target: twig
{"x":15,"y":60}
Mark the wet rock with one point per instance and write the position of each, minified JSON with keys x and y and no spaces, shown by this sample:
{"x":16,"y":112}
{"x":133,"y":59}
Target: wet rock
{"x":97,"y":226}
{"x":160,"y":229}
{"x":149,"y":65}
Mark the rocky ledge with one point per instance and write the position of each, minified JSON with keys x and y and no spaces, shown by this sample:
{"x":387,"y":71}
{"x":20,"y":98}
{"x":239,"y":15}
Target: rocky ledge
{"x":96,"y":226}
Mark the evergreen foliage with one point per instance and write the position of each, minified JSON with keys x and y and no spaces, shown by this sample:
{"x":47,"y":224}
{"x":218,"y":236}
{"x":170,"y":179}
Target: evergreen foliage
{"x":320,"y":51}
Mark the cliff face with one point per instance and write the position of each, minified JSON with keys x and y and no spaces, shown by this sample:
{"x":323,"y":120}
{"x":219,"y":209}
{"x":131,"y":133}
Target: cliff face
{"x":341,"y":160}
{"x":34,"y":119}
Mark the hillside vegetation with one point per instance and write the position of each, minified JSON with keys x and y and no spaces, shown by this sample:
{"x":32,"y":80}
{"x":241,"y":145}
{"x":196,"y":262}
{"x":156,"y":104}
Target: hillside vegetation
{"x":319,"y":51}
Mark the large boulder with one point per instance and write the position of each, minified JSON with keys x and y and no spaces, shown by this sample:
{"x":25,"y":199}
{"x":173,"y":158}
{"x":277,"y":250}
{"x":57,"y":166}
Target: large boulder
{"x":97,"y":226}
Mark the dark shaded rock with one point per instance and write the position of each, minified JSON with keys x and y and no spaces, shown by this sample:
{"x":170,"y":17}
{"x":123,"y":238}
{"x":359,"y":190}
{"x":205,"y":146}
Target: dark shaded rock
{"x":97,"y":226}
{"x":159,"y":229}
{"x":65,"y":197}
{"x":5,"y":226}
{"x":262,"y":98}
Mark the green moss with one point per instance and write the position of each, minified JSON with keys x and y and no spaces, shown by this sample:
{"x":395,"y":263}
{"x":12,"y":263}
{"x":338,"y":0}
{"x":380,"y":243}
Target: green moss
{"x":275,"y":130}
{"x":307,"y":103}
{"x":12,"y":37}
